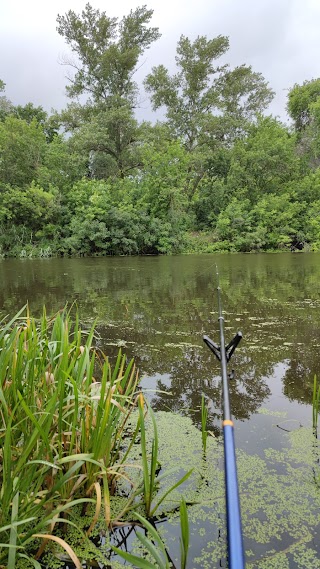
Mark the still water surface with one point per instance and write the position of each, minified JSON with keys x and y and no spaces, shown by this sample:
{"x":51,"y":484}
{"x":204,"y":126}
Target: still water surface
{"x":157,"y":310}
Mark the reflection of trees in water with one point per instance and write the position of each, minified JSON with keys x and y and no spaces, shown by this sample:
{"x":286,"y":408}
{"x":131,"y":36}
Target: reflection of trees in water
{"x":297,"y":382}
{"x":104,"y":284}
{"x":164,"y":305}
{"x":303,"y":365}
{"x":195,"y":373}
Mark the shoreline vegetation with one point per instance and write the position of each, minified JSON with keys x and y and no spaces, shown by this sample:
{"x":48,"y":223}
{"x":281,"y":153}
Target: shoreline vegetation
{"x":200,"y":243}
{"x":72,"y":425}
{"x":215,"y":174}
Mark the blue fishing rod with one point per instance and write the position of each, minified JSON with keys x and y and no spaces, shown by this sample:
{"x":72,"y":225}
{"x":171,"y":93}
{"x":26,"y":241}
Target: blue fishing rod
{"x":234,"y":530}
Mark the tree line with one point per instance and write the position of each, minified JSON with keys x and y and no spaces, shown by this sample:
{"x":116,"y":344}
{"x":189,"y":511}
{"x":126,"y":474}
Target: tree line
{"x":216,"y":173}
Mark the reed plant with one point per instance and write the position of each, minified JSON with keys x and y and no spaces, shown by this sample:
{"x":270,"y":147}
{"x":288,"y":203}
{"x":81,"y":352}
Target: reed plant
{"x":63,"y":412}
{"x":151,"y":467}
{"x":65,"y":415}
{"x":315,"y":404}
{"x":185,"y":534}
{"x":153,"y":545}
{"x":204,"y":418}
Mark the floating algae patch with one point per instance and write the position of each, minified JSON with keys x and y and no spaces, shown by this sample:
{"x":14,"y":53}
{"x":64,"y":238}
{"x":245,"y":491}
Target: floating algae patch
{"x":269,"y":412}
{"x":181,"y":345}
{"x":280,"y":512}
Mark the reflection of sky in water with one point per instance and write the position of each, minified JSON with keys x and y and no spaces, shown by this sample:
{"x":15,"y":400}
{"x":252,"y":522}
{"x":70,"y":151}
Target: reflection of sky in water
{"x":149,"y":384}
{"x":278,"y":416}
{"x":268,"y":427}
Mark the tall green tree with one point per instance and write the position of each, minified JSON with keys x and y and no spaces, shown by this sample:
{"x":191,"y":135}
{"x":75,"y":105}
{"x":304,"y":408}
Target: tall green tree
{"x":204,"y":95}
{"x":300,"y":103}
{"x":207,"y":104}
{"x":5,"y":105}
{"x":22,"y":150}
{"x":304,"y":109}
{"x":107,"y":52}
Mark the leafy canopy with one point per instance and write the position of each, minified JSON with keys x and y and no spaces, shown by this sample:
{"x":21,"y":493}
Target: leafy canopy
{"x":204,"y":92}
{"x":107,"y":52}
{"x":300,"y":100}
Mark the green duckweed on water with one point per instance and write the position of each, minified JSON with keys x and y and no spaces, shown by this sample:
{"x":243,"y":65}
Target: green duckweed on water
{"x":280,"y":501}
{"x":269,"y":412}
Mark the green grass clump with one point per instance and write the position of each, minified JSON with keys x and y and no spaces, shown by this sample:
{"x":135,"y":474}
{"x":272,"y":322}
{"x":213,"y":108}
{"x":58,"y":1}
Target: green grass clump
{"x":63,"y":414}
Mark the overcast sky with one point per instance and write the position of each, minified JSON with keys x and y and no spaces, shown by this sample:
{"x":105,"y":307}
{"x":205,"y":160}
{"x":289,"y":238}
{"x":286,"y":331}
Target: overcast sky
{"x":279,"y":38}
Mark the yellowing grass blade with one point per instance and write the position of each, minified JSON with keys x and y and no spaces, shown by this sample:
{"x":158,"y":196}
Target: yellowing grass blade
{"x":63,"y":544}
{"x":97,"y":488}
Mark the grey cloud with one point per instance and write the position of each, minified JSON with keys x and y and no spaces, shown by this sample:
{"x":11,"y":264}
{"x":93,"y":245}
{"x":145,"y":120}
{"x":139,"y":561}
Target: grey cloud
{"x":279,"y":38}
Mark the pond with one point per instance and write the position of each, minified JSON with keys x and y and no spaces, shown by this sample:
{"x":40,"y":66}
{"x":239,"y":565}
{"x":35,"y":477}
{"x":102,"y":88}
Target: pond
{"x":157,"y":309}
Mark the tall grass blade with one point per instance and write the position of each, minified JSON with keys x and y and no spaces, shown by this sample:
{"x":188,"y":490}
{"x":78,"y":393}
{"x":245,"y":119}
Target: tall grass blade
{"x":158,"y":553}
{"x":33,"y":562}
{"x":13,"y":530}
{"x":134,"y":559}
{"x":185,"y":535}
{"x":204,"y":418}
{"x":315,"y":403}
{"x":183,"y":479}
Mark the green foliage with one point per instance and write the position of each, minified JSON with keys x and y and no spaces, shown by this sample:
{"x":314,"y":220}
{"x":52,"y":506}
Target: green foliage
{"x":264,"y":161}
{"x":29,"y":113}
{"x":281,"y":218}
{"x":5,"y":107}
{"x":164,"y":179}
{"x":100,"y":221}
{"x":32,"y":206}
{"x":313,"y":225}
{"x":208,"y":201}
{"x":23,"y":216}
{"x":201,"y":87}
{"x":108,"y":51}
{"x":275,"y":222}
{"x":112,"y":219}
{"x":111,"y":140}
{"x":233,"y":222}
{"x":300,"y":101}
{"x":214,"y":175}
{"x":207,"y":105}
{"x":22,"y":148}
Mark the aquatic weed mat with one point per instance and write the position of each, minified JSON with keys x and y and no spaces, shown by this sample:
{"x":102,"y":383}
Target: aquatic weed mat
{"x":280,"y":498}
